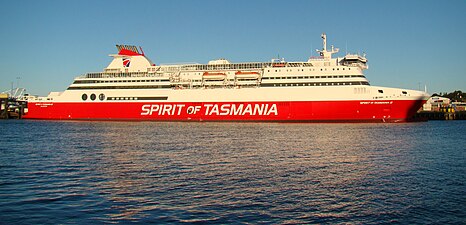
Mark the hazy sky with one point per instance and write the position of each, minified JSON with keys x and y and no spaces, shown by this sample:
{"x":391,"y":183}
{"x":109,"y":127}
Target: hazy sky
{"x":409,"y":44}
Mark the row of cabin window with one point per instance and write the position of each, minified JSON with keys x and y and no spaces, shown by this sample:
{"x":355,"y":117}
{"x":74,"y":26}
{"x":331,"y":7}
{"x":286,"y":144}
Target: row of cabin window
{"x":157,"y":98}
{"x":232,"y":80}
{"x":93,"y":97}
{"x":106,"y":75}
{"x":312,"y":77}
{"x":313,"y":84}
{"x":120,"y":87}
{"x":279,"y":70}
{"x":123,"y":98}
{"x":113,"y":81}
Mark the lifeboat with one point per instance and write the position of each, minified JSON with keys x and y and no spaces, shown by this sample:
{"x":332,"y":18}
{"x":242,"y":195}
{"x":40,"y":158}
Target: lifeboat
{"x":214,"y":76}
{"x":278,"y":64}
{"x":247,"y":74}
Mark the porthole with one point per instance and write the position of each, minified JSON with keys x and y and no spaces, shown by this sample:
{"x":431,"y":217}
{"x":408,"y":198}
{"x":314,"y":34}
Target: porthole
{"x":102,"y":97}
{"x":92,"y":97}
{"x":84,"y":97}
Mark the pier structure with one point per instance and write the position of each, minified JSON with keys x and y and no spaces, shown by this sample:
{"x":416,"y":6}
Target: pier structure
{"x":12,"y":104}
{"x":448,"y":111}
{"x":438,"y":115}
{"x":3,"y":106}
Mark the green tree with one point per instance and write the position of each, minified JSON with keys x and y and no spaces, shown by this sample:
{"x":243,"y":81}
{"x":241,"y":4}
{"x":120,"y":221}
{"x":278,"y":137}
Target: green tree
{"x":456,"y":96}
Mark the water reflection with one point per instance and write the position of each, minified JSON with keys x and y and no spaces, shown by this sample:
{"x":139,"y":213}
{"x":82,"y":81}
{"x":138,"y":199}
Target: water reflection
{"x":237,"y":167}
{"x":126,"y":171}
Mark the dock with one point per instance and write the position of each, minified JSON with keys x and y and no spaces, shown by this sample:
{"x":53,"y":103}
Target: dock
{"x":438,"y":115}
{"x":11,"y":108}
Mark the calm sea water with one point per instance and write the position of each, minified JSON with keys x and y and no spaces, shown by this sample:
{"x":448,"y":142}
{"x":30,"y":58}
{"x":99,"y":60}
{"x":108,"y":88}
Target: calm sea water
{"x":242,"y":173}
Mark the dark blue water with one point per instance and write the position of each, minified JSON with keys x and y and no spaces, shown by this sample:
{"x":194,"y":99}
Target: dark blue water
{"x":240,"y":173}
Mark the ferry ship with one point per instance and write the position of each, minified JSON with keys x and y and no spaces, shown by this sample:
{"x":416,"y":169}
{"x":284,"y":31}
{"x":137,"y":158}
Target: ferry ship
{"x":321,"y":89}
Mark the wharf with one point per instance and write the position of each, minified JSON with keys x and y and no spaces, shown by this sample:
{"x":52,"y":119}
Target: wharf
{"x":11,"y":108}
{"x":439,"y":115}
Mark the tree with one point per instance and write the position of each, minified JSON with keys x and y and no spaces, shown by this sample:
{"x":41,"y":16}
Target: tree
{"x":456,"y":96}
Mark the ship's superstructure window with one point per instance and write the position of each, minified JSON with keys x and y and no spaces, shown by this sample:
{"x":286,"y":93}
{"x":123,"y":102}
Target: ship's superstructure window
{"x":101,"y":97}
{"x":116,"y":81}
{"x":313,"y":84}
{"x":84,"y":97}
{"x":93,"y":96}
{"x":313,"y":77}
{"x":132,"y":98}
{"x":119,"y":87}
{"x":360,"y":90}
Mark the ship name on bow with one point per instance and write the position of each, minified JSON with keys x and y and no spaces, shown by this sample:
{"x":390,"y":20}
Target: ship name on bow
{"x":208,"y":109}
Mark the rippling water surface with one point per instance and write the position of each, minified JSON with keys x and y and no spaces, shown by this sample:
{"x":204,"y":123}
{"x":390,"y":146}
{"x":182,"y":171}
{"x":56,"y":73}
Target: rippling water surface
{"x":253,"y":173}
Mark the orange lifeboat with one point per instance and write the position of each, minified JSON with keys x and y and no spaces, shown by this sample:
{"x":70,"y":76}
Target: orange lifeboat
{"x":213,"y":76}
{"x":246,"y":74}
{"x":278,"y":64}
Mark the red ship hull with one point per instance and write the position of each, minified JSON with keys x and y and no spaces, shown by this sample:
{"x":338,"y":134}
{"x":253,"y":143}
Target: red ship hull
{"x":302,"y":111}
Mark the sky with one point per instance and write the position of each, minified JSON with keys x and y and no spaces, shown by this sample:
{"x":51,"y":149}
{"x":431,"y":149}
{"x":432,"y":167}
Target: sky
{"x":409,"y":44}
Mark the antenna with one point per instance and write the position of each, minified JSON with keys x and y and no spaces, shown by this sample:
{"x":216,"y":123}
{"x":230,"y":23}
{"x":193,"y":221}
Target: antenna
{"x":324,"y":40}
{"x":142,"y":52}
